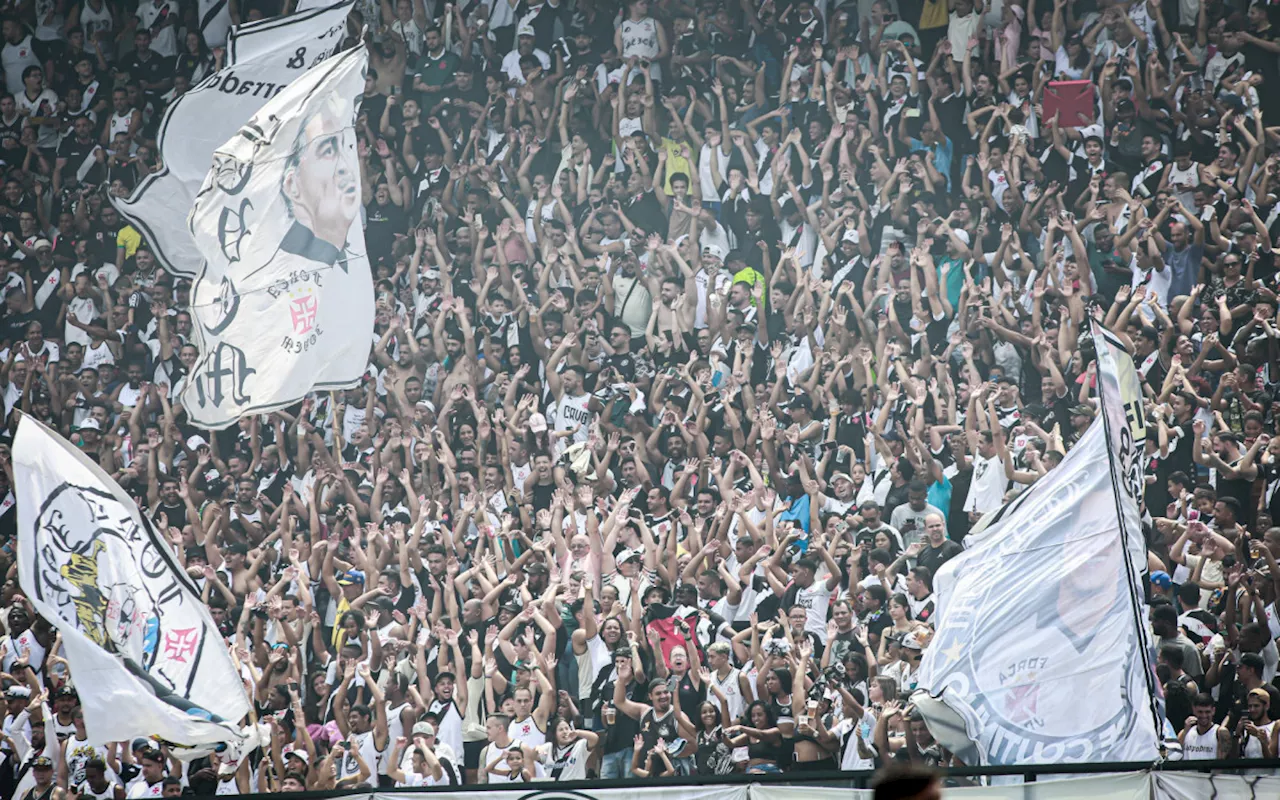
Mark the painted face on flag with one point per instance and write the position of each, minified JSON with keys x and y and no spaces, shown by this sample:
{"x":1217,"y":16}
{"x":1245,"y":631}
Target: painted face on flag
{"x":322,"y":180}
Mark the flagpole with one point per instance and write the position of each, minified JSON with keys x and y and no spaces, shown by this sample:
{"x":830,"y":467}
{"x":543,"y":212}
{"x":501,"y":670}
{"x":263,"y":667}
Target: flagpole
{"x":1099,"y":340}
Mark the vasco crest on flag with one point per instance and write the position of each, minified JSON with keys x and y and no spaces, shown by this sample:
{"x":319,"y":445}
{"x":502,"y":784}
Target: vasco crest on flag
{"x":131,"y":620}
{"x":284,"y":303}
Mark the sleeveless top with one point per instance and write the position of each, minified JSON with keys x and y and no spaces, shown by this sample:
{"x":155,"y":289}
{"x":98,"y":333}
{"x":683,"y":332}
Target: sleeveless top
{"x":119,"y":123}
{"x":94,"y":22}
{"x":1200,"y":746}
{"x":1252,"y":748}
{"x":640,"y":39}
{"x":527,"y":732}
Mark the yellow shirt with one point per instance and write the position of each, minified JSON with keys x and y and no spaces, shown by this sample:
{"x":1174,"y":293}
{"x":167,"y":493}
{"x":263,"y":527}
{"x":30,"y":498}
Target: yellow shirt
{"x":129,"y":239}
{"x":676,"y":163}
{"x":749,"y":276}
{"x":933,"y":15}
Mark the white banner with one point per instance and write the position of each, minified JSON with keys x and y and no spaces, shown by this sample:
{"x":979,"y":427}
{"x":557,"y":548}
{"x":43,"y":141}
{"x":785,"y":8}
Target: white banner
{"x":1129,"y":786}
{"x":535,"y":791}
{"x":1219,"y":786}
{"x":143,"y":650}
{"x":1041,"y":610}
{"x":262,"y":58}
{"x":284,"y":303}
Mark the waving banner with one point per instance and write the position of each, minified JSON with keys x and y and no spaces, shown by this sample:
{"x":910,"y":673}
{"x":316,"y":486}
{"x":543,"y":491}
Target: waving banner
{"x":1044,"y":608}
{"x":137,"y":636}
{"x":284,"y":303}
{"x":262,"y":59}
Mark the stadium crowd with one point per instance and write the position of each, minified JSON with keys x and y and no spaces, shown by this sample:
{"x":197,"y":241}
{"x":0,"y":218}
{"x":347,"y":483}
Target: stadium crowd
{"x":705,"y":332}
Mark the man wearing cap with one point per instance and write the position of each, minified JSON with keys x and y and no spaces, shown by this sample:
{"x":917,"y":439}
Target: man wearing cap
{"x":1256,"y":733}
{"x":150,"y":779}
{"x":525,"y":39}
{"x":44,"y":788}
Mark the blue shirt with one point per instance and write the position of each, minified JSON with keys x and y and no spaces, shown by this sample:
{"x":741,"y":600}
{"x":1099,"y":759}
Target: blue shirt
{"x":941,"y":156}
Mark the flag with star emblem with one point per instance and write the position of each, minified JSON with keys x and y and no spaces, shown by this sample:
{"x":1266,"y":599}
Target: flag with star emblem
{"x":284,"y":302}
{"x":1041,"y":654}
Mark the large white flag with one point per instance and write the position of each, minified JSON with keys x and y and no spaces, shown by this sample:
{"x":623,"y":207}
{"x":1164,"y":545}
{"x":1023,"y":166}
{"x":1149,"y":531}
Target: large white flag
{"x":262,"y":58}
{"x":284,"y":303}
{"x":1041,"y":653}
{"x":144,"y":652}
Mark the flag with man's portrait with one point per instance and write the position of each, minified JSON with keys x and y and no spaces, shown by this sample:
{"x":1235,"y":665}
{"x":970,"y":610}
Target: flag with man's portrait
{"x":284,"y":302}
{"x":1041,"y":654}
{"x":262,"y":58}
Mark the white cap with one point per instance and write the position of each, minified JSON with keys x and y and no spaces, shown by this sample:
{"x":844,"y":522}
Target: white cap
{"x":962,"y":235}
{"x":89,"y":424}
{"x":525,"y":29}
{"x":195,"y":442}
{"x":714,"y":250}
{"x":537,"y":422}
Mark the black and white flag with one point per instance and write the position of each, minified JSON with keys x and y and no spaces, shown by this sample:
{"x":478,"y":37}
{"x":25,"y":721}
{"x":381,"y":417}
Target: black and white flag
{"x":262,"y":59}
{"x":1041,"y":654}
{"x":144,"y":652}
{"x":284,"y":303}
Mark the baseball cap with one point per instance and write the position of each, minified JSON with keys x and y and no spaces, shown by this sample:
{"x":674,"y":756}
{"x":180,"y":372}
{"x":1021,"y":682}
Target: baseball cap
{"x":1082,"y":410}
{"x":1161,"y":578}
{"x":431,"y":275}
{"x":627,"y":555}
{"x":423,"y":729}
{"x":17,"y":693}
{"x":536,"y":568}
{"x":537,"y":423}
{"x":195,"y":442}
{"x":714,"y":250}
{"x":351,"y":577}
{"x":42,"y":762}
{"x":89,"y":424}
{"x":801,"y":401}
{"x":42,"y":244}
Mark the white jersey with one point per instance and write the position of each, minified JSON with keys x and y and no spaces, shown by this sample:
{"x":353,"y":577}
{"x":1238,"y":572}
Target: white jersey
{"x":732,"y":691}
{"x":84,"y":791}
{"x":1253,"y":748}
{"x":215,"y":21}
{"x":119,"y":123}
{"x":986,"y":491}
{"x":347,"y":764}
{"x":1200,"y":746}
{"x":526,"y":731}
{"x":565,"y":763}
{"x":640,"y":39}
{"x":164,"y":41}
{"x":815,"y":601}
{"x":96,"y":21}
{"x":495,"y":756}
{"x":79,"y":753}
{"x":140,"y":788}
{"x":571,"y":411}
{"x":449,"y":731}
{"x":15,"y":58}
